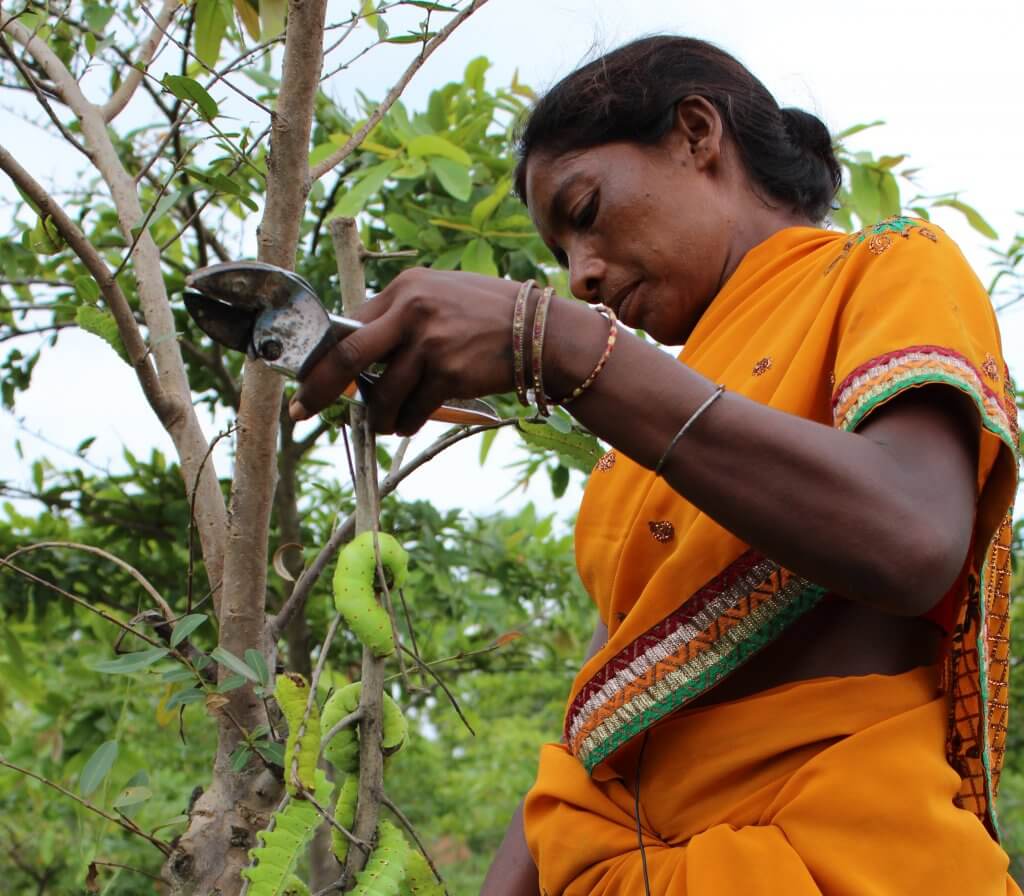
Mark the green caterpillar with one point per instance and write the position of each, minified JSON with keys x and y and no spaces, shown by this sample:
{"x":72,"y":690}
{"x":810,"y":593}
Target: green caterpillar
{"x":419,"y":879}
{"x":282,"y":845}
{"x":295,"y":887}
{"x":292,"y":691}
{"x":343,"y":750}
{"x":345,"y":815}
{"x":385,"y":869}
{"x":354,"y":596}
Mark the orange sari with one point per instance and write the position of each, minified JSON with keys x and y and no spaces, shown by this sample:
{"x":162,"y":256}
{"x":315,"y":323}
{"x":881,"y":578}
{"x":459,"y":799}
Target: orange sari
{"x":827,"y":327}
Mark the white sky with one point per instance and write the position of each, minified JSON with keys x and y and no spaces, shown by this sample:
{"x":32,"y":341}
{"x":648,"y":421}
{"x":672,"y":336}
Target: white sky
{"x":945,"y":76}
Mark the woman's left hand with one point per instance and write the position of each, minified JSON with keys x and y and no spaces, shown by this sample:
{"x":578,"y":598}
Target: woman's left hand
{"x":442,"y":334}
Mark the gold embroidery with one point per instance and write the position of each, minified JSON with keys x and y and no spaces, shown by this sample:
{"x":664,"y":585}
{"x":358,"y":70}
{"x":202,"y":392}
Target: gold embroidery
{"x":879,"y":243}
{"x":606,"y":461}
{"x":928,"y":234}
{"x":990,"y":367}
{"x":662,"y":530}
{"x":763,"y":366}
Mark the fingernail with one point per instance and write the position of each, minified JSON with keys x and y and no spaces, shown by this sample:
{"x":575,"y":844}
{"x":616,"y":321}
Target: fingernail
{"x":297,"y":410}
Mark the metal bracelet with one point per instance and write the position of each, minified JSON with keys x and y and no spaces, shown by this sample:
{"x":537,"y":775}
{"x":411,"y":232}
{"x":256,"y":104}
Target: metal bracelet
{"x":710,"y":400}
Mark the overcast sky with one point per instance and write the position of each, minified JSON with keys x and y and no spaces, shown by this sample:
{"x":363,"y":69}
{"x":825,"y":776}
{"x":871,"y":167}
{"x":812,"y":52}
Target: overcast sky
{"x":946,"y":77}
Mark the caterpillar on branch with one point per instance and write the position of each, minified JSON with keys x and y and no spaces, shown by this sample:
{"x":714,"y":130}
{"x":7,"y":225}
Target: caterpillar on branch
{"x":354,"y":594}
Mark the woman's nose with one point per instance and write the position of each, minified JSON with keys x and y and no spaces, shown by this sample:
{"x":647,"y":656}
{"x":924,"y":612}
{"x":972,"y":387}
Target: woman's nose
{"x":586,"y":271}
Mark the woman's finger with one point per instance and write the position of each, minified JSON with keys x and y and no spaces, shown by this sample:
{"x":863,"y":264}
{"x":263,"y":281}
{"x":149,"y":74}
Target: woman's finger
{"x":418,"y":407}
{"x":339,"y":366}
{"x":401,"y":377}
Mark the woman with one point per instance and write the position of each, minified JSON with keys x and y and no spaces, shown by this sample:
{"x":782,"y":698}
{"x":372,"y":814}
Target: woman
{"x":798,"y":681}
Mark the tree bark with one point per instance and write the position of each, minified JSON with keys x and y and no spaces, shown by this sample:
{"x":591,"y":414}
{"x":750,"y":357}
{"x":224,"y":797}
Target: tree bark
{"x":223,"y":823}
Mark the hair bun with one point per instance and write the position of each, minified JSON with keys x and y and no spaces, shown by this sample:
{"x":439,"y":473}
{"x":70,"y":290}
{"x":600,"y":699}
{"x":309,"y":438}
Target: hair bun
{"x":808,"y":131}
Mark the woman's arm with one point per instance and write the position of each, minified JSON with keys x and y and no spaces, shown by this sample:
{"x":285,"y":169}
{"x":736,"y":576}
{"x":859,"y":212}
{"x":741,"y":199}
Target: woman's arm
{"x":883,"y":515}
{"x":513,"y":872}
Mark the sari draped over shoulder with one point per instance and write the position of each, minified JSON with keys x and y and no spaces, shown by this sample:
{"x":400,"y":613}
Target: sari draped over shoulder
{"x":827,"y":327}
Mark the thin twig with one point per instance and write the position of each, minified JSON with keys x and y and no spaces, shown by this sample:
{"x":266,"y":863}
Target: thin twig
{"x":394,"y":93}
{"x":192,"y":511}
{"x":103,"y":614}
{"x":123,"y":821}
{"x":137,"y":69}
{"x":217,"y":76}
{"x":158,"y":599}
{"x":408,"y":825}
{"x":103,"y":864}
{"x":43,"y":101}
{"x":451,"y":697}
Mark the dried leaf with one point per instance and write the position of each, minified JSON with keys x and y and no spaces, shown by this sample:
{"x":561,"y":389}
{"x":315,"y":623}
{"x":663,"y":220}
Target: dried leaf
{"x":507,"y":638}
{"x":92,"y":879}
{"x":279,"y":566}
{"x":215,"y":703}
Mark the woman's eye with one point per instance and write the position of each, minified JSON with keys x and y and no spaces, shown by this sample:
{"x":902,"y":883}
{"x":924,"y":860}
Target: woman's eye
{"x":586,"y":215}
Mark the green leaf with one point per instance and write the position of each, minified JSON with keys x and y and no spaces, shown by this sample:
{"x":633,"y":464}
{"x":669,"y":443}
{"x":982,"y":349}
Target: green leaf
{"x":405,"y":231}
{"x":372,"y":180}
{"x":478,"y":257}
{"x":971,"y":214}
{"x":97,"y":16}
{"x":210,"y":27}
{"x":453,"y":176}
{"x":272,"y":752}
{"x":432,"y":145}
{"x":44,"y":238}
{"x":489,"y":204}
{"x":272,"y":18}
{"x":382,"y":29}
{"x":254,"y":659}
{"x":180,"y":673}
{"x":185,"y":626}
{"x":130,"y":662}
{"x":227,"y":659}
{"x":231,"y":683}
{"x":475,"y":71}
{"x":577,"y":449}
{"x":98,"y":767}
{"x":191,"y":91}
{"x":367,"y":11}
{"x":132,"y":796}
{"x":486,"y":441}
{"x":448,"y":260}
{"x":559,"y":480}
{"x":87,"y":288}
{"x":184,"y":697}
{"x":100,"y":322}
{"x":240,"y":758}
{"x":856,"y":129}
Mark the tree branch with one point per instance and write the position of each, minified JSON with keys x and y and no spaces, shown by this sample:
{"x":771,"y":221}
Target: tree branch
{"x":122,"y":820}
{"x":394,"y":93}
{"x":166,"y":408}
{"x":137,"y":71}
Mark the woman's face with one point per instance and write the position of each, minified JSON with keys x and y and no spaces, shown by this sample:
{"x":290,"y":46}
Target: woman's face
{"x":646,"y":230}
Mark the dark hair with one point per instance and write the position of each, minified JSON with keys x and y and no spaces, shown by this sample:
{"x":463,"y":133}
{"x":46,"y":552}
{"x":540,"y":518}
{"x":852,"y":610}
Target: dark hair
{"x":631,"y":94}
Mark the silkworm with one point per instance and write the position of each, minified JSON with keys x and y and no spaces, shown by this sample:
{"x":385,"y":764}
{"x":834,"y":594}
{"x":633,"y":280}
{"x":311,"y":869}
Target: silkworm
{"x":283,"y":844}
{"x":345,"y":815}
{"x":343,"y":749}
{"x":385,"y":868}
{"x":354,"y":595}
{"x":291,"y":692}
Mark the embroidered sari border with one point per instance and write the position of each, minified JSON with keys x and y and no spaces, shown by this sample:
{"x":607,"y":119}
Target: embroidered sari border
{"x":884,"y":376}
{"x":716,"y":629}
{"x":696,"y":678}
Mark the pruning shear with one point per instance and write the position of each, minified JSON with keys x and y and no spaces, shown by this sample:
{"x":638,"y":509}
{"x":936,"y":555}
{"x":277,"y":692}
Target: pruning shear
{"x":275,"y":315}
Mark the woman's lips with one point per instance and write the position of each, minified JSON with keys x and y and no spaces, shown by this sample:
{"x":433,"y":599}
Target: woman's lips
{"x":623,"y":309}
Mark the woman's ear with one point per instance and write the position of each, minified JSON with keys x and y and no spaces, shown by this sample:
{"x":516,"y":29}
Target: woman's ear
{"x":698,"y":131}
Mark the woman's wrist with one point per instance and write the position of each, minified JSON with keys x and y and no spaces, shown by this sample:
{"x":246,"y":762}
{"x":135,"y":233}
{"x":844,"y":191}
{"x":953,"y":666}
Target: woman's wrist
{"x":577,"y":336}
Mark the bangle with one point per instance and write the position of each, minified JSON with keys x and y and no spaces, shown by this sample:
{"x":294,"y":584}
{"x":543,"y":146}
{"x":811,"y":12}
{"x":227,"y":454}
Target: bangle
{"x":710,"y":400}
{"x":540,"y":320}
{"x":613,"y":332}
{"x":518,"y":328}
